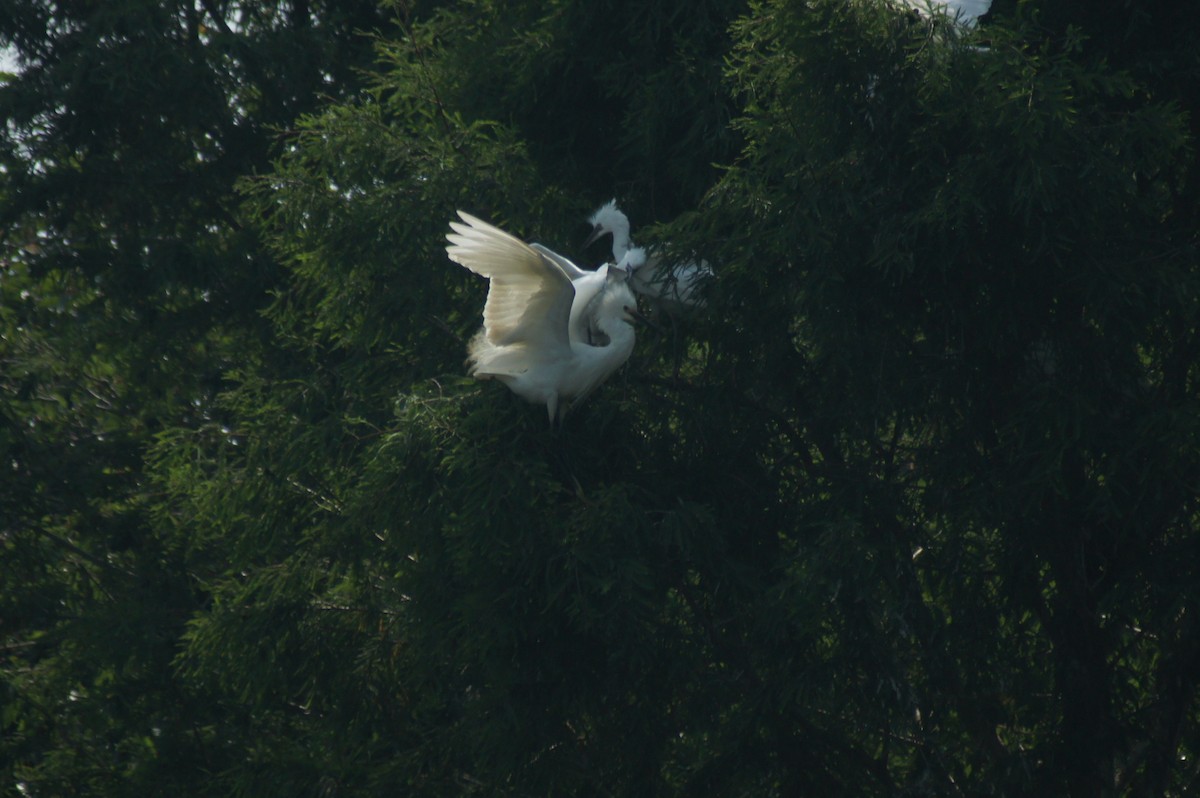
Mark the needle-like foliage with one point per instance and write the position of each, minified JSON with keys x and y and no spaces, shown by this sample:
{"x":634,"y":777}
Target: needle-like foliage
{"x":908,"y":507}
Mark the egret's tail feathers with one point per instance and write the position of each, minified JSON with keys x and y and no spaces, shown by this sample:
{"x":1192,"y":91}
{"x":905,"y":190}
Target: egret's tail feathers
{"x":489,"y":360}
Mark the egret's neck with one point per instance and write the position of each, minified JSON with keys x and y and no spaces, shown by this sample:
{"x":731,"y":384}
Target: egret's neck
{"x":621,"y":242}
{"x":618,"y":331}
{"x":621,"y":337}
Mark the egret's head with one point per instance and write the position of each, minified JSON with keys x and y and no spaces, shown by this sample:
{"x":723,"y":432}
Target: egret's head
{"x":610,"y":220}
{"x":621,"y":301}
{"x":616,"y":298}
{"x":634,"y":316}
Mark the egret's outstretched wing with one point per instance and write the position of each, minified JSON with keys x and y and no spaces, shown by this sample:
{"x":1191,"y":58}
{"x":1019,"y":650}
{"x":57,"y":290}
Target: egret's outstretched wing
{"x":570,"y":269}
{"x":529,"y":295}
{"x":587,"y":285}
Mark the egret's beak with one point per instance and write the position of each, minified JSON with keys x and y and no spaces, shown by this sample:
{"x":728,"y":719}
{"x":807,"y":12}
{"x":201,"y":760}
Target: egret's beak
{"x":597,"y":231}
{"x":633,"y":316}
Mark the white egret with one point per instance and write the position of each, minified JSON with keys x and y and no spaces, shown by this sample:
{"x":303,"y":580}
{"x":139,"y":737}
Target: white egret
{"x":582,"y":325}
{"x":611,"y":220}
{"x":963,"y":12}
{"x":551,"y":331}
{"x":677,"y":288}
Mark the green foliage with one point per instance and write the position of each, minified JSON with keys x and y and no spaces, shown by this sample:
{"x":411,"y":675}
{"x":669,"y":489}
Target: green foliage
{"x":128,"y":291}
{"x":908,"y":508}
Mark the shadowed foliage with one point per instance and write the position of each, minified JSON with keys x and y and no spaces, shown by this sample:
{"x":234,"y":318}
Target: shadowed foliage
{"x":908,"y":508}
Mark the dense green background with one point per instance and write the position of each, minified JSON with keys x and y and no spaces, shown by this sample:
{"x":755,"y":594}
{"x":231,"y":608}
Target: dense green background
{"x":909,"y":509}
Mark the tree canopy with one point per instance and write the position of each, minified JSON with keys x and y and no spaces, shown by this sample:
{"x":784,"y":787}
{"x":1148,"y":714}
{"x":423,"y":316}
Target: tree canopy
{"x":907,"y":508}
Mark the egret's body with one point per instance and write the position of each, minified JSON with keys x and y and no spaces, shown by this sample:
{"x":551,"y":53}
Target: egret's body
{"x":551,"y":331}
{"x":964,"y":12}
{"x":582,"y":324}
{"x":676,"y":288}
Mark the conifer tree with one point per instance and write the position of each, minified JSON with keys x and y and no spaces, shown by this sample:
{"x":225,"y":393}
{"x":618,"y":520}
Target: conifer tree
{"x":908,"y":508}
{"x":128,"y":291}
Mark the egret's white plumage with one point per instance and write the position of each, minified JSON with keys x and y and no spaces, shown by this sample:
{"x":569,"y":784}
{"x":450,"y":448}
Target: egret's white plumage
{"x":551,"y":331}
{"x":588,"y":284}
{"x":964,"y":12}
{"x":676,"y":287}
{"x":633,"y":259}
{"x":611,"y":220}
{"x":581,"y":326}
